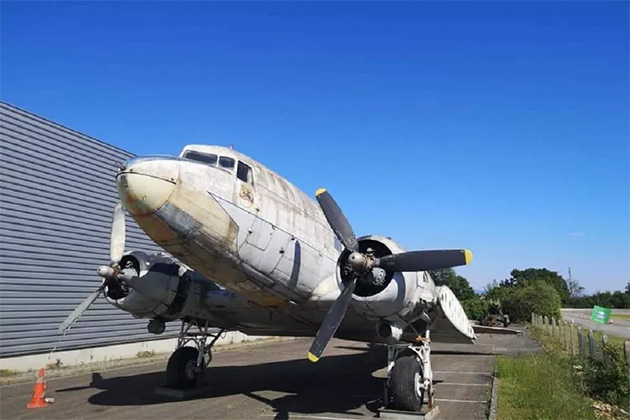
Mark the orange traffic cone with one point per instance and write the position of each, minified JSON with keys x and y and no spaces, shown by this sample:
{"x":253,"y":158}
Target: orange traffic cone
{"x":38,"y":399}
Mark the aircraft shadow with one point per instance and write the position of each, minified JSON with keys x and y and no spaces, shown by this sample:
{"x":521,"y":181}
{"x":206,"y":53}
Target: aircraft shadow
{"x":336,"y":384}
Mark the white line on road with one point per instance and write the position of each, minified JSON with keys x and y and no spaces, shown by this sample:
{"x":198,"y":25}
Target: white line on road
{"x":463,"y":373}
{"x":459,"y":383}
{"x":305,"y":416}
{"x":462,"y":401}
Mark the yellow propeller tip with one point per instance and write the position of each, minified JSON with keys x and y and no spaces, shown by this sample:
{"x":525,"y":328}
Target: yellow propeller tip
{"x":320,"y":191}
{"x":311,"y":356}
{"x":468,"y":256}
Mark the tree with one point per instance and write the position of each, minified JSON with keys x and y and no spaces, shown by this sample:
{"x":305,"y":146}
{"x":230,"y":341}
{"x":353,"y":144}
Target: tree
{"x":628,"y":287}
{"x":458,"y":284}
{"x":490,"y":287}
{"x":536,"y":297}
{"x":575,"y":290}
{"x":521,"y":278}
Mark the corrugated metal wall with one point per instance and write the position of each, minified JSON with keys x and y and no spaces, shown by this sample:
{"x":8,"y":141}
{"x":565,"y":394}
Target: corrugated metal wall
{"x":57,"y":192}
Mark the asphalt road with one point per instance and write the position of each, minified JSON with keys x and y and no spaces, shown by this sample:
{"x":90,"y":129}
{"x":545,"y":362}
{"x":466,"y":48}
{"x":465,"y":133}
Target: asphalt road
{"x":273,"y":381}
{"x":583,"y":318}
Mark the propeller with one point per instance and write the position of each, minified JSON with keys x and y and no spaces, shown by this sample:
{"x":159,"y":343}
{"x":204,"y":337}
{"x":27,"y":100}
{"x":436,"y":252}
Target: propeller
{"x":108,"y":273}
{"x":360,"y":263}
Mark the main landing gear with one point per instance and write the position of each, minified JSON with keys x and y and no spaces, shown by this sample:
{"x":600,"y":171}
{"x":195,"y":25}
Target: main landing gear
{"x":409,"y":376}
{"x":187,"y":363}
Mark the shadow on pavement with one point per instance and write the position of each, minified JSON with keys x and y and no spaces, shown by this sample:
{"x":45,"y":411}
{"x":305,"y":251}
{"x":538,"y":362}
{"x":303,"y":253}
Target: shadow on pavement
{"x":334,"y":384}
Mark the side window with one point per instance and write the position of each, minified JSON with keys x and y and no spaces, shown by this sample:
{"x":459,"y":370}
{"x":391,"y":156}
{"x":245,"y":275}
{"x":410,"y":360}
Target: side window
{"x":208,"y":159}
{"x":244,"y":173}
{"x":226,"y":163}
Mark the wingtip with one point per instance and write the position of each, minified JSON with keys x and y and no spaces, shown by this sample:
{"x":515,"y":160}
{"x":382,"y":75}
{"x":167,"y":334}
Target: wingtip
{"x":468,"y":256}
{"x":312,"y":357}
{"x":320,"y":191}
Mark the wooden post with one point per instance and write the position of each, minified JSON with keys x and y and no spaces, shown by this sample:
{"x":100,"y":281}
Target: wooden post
{"x":592,"y":344}
{"x":605,"y":354}
{"x":545,"y":321}
{"x":553,"y":326}
{"x":581,"y":344}
{"x":626,"y":348}
{"x":571,"y":338}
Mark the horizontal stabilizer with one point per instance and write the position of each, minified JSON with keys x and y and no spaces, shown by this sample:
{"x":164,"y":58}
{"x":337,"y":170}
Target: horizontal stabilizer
{"x":451,"y":325}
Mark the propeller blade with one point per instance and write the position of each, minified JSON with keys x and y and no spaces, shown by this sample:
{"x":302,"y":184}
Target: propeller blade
{"x":424,"y":260}
{"x":333,"y":318}
{"x":337,"y":221}
{"x":78,"y":311}
{"x":117,"y":239}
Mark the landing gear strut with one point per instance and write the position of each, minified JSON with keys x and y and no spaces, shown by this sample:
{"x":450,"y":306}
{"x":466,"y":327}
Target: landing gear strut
{"x":187,"y":363}
{"x":409,"y":376}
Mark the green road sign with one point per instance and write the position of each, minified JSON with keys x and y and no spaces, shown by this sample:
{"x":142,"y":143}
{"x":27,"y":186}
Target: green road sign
{"x":600,"y":314}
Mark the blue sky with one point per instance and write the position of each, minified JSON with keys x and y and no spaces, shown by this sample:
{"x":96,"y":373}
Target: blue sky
{"x":502,"y":127}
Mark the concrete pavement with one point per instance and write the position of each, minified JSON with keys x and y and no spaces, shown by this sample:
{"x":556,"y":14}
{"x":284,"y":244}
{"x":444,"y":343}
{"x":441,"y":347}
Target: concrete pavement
{"x":273,"y":380}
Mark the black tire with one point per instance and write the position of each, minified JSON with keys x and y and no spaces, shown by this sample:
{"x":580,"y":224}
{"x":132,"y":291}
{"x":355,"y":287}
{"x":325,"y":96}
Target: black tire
{"x":180,"y":372}
{"x":402,"y":388}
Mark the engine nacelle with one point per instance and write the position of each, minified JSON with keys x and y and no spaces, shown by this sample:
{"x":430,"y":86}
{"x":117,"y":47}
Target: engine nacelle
{"x":161,"y":287}
{"x":385,"y":294}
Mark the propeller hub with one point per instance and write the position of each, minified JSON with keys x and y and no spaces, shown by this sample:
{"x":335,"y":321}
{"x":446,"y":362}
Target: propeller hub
{"x":105,"y":271}
{"x":359,"y":262}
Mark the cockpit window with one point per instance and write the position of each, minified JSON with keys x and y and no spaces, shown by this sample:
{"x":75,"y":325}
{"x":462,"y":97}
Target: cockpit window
{"x":206,"y":158}
{"x":244,"y":173}
{"x":226,"y":162}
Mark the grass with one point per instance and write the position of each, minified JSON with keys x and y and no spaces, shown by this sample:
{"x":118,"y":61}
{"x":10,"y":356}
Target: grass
{"x":54,"y":366}
{"x":5,"y":373}
{"x":540,"y":387}
{"x":604,"y":380}
{"x":620,"y":317}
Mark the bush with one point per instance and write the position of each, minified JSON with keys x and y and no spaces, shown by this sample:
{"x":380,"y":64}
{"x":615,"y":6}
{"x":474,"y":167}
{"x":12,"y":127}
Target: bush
{"x":607,"y":379}
{"x":538,"y":297}
{"x":475,"y":307}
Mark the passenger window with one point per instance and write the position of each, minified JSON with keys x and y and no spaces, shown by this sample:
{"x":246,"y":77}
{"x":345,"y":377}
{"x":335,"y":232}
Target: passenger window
{"x":208,"y":159}
{"x":226,"y":162}
{"x":244,"y":173}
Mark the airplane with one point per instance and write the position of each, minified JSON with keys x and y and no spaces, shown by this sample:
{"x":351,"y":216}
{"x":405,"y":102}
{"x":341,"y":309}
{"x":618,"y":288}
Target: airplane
{"x":246,"y":250}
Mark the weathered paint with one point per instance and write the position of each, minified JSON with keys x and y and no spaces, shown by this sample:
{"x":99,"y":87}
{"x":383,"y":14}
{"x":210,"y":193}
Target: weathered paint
{"x":265,"y":240}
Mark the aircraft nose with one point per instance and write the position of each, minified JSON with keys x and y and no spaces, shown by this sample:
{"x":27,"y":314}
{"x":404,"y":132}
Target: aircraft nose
{"x":145,"y":184}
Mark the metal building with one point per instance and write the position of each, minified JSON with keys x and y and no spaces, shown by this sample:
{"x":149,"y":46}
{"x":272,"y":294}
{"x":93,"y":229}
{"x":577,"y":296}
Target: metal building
{"x":57,"y":192}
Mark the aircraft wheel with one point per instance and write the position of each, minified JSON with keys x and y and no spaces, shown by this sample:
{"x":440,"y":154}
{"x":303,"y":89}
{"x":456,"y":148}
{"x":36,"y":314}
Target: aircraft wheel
{"x":404,"y":384}
{"x":181,"y":370}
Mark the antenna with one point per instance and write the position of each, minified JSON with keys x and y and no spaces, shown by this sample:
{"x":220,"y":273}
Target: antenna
{"x":570,"y":279}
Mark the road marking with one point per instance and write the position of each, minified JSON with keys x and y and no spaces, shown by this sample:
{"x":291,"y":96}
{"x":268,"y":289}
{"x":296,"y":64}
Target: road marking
{"x":458,"y":383}
{"x":305,"y":416}
{"x":463,"y":373}
{"x":462,"y":401}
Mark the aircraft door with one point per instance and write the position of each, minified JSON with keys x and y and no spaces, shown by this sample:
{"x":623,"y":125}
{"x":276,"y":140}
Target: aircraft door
{"x":260,"y":247}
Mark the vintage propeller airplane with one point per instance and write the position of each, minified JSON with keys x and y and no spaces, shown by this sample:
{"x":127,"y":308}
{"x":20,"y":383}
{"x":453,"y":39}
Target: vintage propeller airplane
{"x":281,"y":264}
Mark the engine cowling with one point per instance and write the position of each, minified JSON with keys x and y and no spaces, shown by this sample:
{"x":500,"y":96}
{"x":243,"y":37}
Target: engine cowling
{"x":159,"y":287}
{"x":387,"y":294}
